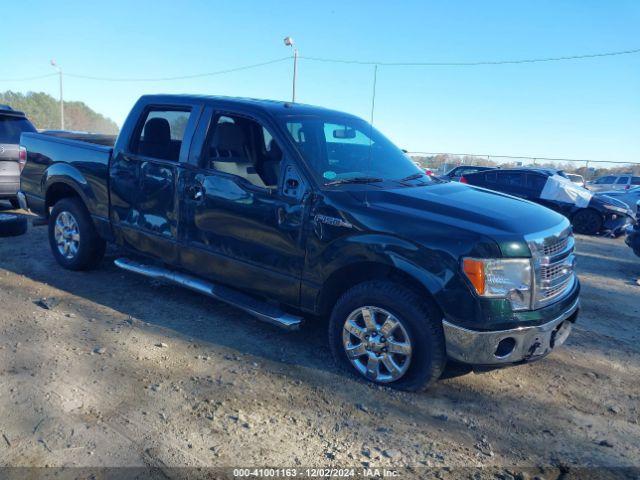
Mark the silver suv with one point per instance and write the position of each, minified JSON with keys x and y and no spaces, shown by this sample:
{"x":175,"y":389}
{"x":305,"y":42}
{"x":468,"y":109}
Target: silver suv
{"x":614,"y":182}
{"x":12,"y":159}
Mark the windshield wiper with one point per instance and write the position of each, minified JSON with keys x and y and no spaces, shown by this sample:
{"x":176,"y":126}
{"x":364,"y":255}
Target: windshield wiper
{"x":355,"y":180}
{"x":413,"y":176}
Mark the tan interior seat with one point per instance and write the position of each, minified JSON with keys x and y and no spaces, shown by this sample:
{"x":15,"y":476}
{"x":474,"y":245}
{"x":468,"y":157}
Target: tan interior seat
{"x":229,"y":152}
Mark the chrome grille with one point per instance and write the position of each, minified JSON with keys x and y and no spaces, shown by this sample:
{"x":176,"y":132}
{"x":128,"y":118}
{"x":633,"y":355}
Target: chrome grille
{"x":554,"y":264}
{"x":555,"y":246}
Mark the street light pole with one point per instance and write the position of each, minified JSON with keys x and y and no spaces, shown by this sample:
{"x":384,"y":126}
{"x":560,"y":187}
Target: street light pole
{"x":57,"y":67}
{"x":288,"y":41}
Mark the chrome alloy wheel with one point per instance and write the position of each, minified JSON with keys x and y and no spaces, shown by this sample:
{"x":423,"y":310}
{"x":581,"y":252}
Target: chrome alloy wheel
{"x":377,"y":344}
{"x":67,"y":235}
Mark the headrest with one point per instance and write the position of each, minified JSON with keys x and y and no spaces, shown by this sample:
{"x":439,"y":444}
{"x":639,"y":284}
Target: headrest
{"x":229,"y":136}
{"x":275,"y":152}
{"x":157,"y":130}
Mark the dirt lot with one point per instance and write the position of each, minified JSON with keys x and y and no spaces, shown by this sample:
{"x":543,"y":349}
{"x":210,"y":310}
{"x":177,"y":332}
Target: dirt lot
{"x":123,"y":371}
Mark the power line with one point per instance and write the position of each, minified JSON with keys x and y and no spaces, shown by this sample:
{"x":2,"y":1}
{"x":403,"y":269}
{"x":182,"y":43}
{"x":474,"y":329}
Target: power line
{"x":181,"y":77}
{"x":331,"y":60}
{"x":472,"y":64}
{"x":25,"y":79}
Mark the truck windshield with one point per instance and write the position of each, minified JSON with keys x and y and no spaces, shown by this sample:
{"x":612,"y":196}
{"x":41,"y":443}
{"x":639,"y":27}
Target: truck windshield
{"x":344,"y":149}
{"x":11,"y":127}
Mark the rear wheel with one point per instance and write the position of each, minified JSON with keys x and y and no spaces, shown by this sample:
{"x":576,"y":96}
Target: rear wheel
{"x":74,"y":241}
{"x":587,"y":222}
{"x":389,"y":335}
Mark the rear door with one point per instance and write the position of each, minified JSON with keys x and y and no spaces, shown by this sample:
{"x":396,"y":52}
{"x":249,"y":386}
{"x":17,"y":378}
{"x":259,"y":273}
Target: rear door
{"x":622,"y":183}
{"x":144,"y":179}
{"x":243,"y":208}
{"x":11,"y":126}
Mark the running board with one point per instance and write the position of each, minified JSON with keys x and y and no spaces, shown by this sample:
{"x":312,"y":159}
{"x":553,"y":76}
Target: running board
{"x":261,"y":310}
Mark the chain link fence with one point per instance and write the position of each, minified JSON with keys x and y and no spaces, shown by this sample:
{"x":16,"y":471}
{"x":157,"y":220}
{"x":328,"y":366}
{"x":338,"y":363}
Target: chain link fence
{"x":441,"y":163}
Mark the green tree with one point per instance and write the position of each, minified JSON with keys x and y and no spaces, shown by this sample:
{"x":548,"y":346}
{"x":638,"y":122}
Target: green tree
{"x":44,"y":112}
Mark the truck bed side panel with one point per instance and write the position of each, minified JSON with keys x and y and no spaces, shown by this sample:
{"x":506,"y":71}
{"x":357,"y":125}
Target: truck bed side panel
{"x":82,"y":166}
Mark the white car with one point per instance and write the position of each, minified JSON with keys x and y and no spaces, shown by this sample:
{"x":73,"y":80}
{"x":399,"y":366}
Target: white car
{"x":614,"y":182}
{"x":575,"y":178}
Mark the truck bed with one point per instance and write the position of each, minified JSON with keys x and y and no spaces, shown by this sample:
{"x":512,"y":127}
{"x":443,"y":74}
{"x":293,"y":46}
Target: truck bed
{"x":95,"y":138}
{"x":81,"y":159}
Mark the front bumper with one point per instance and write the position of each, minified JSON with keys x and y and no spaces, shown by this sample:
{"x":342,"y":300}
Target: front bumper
{"x":508,"y":346}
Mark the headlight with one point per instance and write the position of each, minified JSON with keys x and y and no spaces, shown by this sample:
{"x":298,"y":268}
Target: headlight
{"x":501,"y":278}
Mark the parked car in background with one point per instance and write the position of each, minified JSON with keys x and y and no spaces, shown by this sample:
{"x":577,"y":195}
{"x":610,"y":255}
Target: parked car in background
{"x":286,"y":210}
{"x":588,"y":213}
{"x":457,"y":172}
{"x":630,"y":197}
{"x":614,"y":182}
{"x":577,"y":179}
{"x":633,"y":238}
{"x":12,"y":124}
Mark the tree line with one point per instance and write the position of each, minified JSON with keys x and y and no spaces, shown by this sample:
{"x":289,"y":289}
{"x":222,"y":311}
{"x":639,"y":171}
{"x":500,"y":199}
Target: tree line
{"x":44,"y":112}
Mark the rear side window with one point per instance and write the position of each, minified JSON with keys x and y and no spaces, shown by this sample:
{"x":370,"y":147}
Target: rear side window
{"x":510,"y":179}
{"x":160,"y":135}
{"x":491,"y":177}
{"x":536,"y":182}
{"x":11,"y":127}
{"x":635,"y":180}
{"x":605,"y":180}
{"x":622,"y":180}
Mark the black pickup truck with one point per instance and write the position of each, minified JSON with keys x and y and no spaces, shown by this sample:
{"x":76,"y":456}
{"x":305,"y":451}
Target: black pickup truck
{"x":290,"y":211}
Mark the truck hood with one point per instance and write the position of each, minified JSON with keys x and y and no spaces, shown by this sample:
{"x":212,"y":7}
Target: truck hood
{"x":464,"y":207}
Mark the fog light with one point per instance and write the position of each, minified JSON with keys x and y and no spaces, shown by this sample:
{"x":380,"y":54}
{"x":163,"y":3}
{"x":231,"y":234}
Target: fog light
{"x":505,"y":347}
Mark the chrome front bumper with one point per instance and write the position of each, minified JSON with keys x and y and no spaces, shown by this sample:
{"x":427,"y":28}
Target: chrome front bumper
{"x":508,"y":346}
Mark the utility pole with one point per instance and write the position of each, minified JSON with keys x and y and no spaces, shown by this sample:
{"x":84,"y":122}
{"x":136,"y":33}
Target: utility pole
{"x":288,"y":41}
{"x":57,"y":67}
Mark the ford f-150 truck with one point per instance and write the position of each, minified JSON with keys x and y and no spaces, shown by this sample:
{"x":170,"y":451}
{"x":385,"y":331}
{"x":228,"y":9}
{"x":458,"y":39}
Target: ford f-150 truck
{"x":290,"y":211}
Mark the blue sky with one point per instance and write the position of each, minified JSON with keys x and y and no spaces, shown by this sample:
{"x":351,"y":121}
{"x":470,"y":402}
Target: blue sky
{"x":576,"y":109}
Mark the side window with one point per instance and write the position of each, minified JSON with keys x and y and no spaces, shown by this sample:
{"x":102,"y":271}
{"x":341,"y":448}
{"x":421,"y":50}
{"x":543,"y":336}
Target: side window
{"x":161,"y":134}
{"x":622,"y":180}
{"x":635,"y":180}
{"x":605,"y":180}
{"x":536,"y":182}
{"x":512,"y":179}
{"x":240,"y":146}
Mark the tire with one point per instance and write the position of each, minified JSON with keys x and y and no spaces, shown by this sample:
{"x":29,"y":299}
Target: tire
{"x":420,"y":322}
{"x":14,"y":203}
{"x":587,"y":222}
{"x":85,"y":247}
{"x":12,"y":225}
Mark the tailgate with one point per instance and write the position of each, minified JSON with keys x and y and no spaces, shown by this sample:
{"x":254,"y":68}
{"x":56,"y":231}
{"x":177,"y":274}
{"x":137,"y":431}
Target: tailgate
{"x":9,"y":166}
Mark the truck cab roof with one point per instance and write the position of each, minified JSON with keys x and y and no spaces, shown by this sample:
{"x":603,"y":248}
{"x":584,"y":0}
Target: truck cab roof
{"x":273,"y":107}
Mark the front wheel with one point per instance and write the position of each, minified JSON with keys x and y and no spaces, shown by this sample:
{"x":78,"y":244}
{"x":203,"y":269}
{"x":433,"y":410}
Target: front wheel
{"x":389,"y":335}
{"x":587,"y":222}
{"x":74,"y":241}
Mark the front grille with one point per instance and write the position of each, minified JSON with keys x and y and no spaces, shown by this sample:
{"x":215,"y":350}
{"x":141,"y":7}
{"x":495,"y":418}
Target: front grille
{"x":555,"y":246}
{"x":554,"y":264}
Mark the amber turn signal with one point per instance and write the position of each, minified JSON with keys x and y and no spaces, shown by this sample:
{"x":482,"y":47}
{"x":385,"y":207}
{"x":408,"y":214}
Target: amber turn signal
{"x":474,"y":270}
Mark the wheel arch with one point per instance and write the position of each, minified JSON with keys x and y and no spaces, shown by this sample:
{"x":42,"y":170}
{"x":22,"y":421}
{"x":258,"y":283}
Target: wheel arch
{"x":397,"y":270}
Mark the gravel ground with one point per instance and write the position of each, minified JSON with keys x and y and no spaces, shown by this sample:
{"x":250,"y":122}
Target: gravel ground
{"x":123,"y":371}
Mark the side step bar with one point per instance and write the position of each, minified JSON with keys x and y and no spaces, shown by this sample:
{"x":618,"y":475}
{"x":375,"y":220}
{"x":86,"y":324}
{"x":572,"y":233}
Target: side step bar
{"x":261,"y":310}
